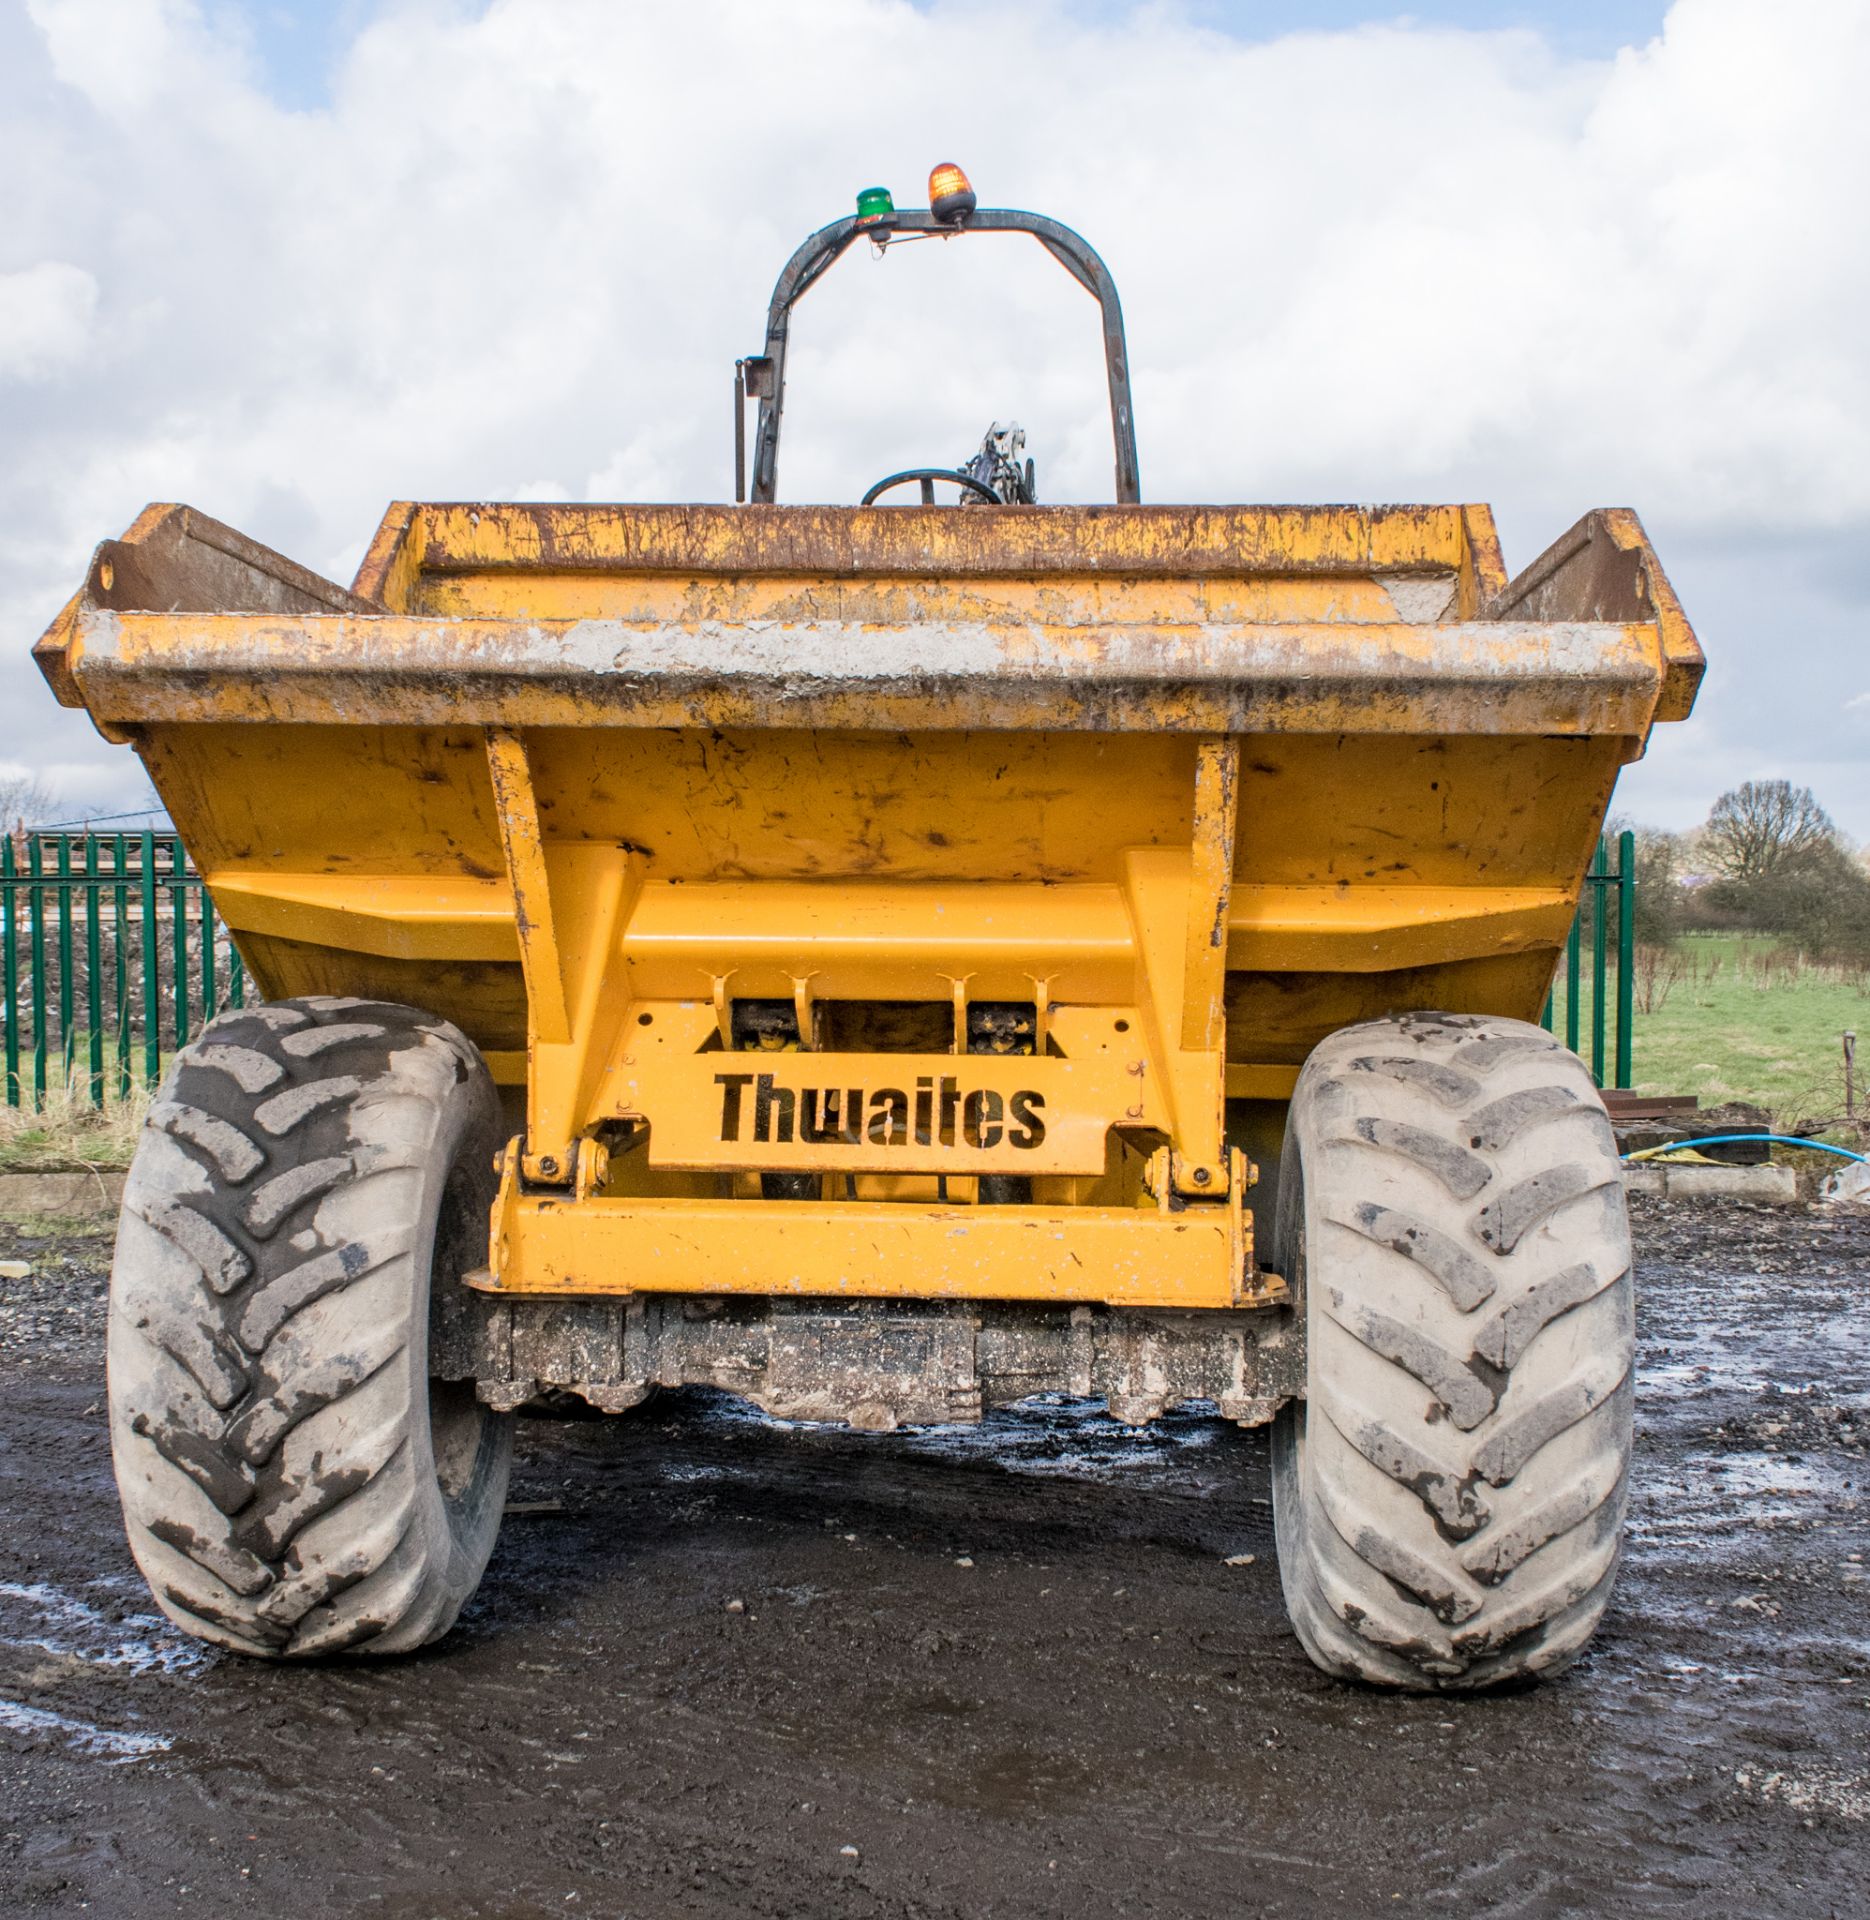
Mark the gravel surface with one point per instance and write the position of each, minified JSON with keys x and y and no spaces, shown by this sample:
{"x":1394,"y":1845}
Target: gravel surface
{"x":54,"y":1317}
{"x":721,"y":1666}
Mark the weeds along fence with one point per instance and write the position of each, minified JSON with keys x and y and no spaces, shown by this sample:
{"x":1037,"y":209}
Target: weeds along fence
{"x":1606,"y":913}
{"x":110,"y":958}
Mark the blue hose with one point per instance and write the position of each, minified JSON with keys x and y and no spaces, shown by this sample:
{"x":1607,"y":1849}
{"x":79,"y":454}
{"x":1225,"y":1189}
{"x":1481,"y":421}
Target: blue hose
{"x":1731,"y":1139}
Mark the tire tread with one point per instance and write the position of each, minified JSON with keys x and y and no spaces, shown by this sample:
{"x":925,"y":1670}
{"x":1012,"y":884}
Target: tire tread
{"x":1452,"y":1520}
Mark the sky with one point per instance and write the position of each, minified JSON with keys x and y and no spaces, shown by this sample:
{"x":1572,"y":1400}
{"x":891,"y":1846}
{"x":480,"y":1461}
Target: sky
{"x":289,"y":261}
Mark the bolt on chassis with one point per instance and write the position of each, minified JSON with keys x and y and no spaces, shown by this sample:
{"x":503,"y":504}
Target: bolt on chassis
{"x":884,"y":962}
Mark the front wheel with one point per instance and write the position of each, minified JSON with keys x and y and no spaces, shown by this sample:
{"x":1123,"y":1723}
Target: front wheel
{"x":1449,"y":1497}
{"x":312,"y":1174}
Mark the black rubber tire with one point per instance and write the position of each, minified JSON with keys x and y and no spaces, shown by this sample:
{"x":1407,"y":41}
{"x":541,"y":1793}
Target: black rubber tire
{"x":292,"y":1482}
{"x":1449,"y":1498}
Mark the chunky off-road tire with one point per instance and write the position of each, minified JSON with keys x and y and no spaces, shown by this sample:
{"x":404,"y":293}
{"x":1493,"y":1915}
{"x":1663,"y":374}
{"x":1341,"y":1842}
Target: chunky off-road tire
{"x":1449,"y":1497}
{"x":292,"y":1482}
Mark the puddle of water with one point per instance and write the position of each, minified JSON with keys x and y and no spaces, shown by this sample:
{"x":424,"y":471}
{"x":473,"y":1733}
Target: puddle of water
{"x":1052,"y":1436}
{"x":98,"y":1743}
{"x":1049,"y":1435}
{"x":74,"y":1629}
{"x":1700,"y":1499}
{"x":1762,"y":1473}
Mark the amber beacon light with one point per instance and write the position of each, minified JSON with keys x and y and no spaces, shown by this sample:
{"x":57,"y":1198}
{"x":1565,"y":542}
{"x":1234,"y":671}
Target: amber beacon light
{"x":950,"y":195}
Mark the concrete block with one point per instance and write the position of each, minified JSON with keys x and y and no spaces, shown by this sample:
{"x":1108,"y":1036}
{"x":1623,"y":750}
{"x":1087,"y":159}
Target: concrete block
{"x":1850,"y":1187}
{"x":1646,"y":1178}
{"x":1777,"y":1186}
{"x":62,"y":1196}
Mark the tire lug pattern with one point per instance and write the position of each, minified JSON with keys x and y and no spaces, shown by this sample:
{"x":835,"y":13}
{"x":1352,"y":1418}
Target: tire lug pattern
{"x":316,"y":1040}
{"x":1461,"y":1172}
{"x":235,"y":1157}
{"x":224,"y":1264}
{"x":262,"y":1351}
{"x":270,"y":1204}
{"x":251,"y":1072}
{"x":1450,"y":1501}
{"x":1463,"y":1278}
{"x":1506,"y":1222}
{"x":1450,"y":1088}
{"x":288,"y":1109}
{"x":1500,"y":1124}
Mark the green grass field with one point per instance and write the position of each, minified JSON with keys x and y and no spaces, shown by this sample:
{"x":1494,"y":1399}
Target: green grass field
{"x":1733,"y":1018}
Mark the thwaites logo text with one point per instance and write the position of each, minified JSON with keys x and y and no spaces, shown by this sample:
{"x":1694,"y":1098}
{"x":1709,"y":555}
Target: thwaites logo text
{"x":936,"y":1112}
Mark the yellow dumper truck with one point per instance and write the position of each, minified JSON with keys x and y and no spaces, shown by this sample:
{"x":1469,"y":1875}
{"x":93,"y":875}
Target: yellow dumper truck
{"x":885,"y":962}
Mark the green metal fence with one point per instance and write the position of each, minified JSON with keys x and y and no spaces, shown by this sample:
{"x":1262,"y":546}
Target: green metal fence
{"x":1607,"y":910}
{"x":110,"y":957}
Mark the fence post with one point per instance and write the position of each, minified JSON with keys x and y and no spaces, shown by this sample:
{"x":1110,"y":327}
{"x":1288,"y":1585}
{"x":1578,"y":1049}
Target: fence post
{"x":120,"y":929}
{"x":35,"y":921}
{"x":1572,"y":969}
{"x":1600,"y":866}
{"x":152,"y":967}
{"x":208,"y":1008}
{"x":9,"y":969}
{"x":1626,"y":955}
{"x":94,"y":969}
{"x":178,"y":914}
{"x":66,"y":1001}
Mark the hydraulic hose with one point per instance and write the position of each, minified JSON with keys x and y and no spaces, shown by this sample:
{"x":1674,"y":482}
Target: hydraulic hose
{"x":1732,"y":1139}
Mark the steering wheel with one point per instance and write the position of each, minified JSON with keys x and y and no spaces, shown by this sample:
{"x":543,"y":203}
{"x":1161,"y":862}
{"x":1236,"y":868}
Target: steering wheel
{"x":928,"y":476}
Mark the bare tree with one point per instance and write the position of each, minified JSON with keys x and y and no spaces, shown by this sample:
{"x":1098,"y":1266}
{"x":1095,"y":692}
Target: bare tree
{"x":25,"y":801}
{"x":1767,"y":829}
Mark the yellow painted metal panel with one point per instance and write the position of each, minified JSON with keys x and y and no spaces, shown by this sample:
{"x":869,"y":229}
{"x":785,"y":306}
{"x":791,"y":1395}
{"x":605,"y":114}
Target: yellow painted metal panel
{"x":1118,"y":1255}
{"x":1433,"y":811}
{"x":1210,"y":885}
{"x":874,"y":940}
{"x":1369,"y":929}
{"x":344,"y":801}
{"x":403,"y":916}
{"x":882,"y":1112}
{"x":663,"y":599}
{"x":518,"y":814}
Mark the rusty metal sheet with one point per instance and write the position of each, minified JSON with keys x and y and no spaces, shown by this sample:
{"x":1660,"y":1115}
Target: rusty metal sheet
{"x":938,"y":542}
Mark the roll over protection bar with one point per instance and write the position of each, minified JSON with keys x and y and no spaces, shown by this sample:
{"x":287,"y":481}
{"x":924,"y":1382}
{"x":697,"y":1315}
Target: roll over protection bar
{"x":764,"y":378}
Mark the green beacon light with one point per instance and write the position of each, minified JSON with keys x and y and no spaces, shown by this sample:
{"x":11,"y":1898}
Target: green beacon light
{"x":876,"y":211}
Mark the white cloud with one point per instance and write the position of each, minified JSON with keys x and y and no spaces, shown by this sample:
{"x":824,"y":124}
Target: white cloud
{"x":521,"y":248}
{"x":45,"y":318}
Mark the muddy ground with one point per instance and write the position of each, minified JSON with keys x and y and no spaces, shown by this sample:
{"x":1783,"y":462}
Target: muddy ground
{"x":1008,"y":1671}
